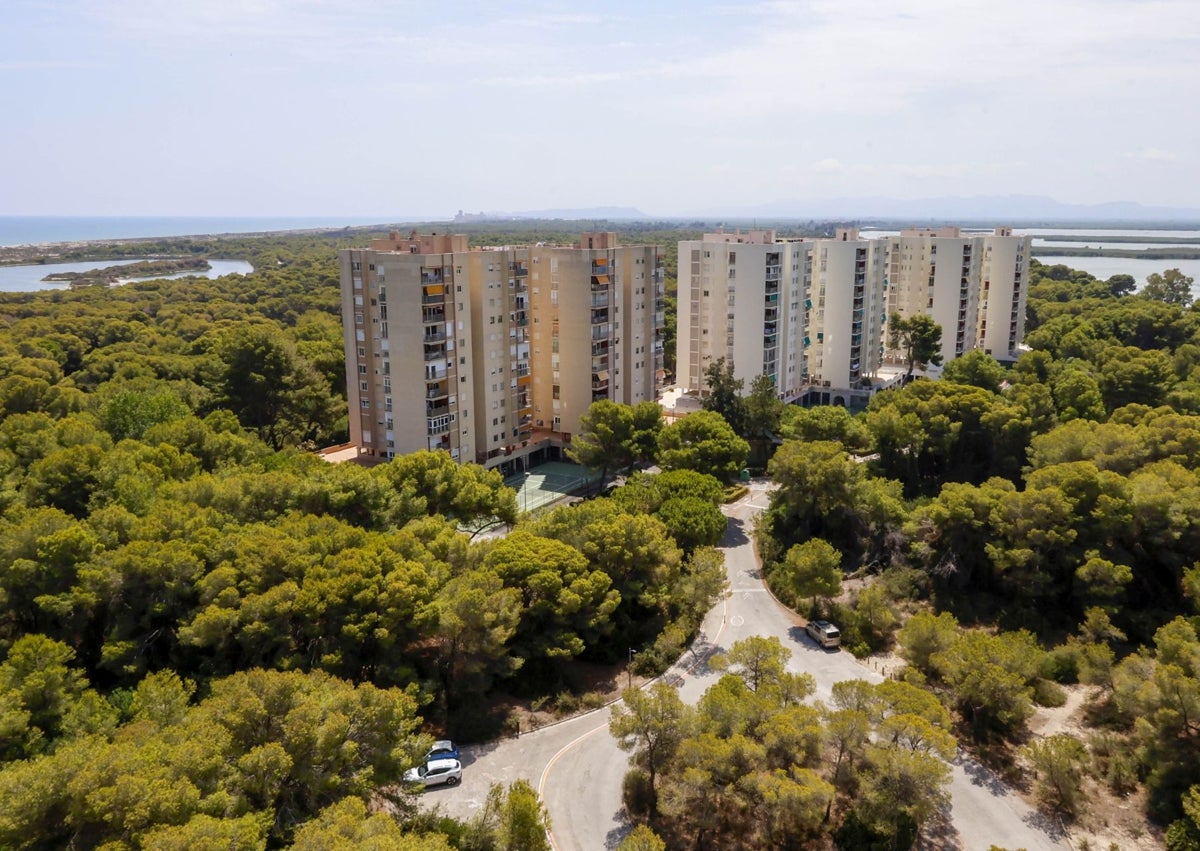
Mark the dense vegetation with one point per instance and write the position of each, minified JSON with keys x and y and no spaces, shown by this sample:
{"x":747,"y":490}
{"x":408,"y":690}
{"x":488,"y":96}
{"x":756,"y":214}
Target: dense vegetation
{"x":755,"y":766}
{"x":1055,"y":500}
{"x":207,"y":633}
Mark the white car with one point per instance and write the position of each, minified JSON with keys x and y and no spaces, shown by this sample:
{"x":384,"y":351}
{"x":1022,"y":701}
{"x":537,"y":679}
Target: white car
{"x":824,"y":633}
{"x":436,"y":772}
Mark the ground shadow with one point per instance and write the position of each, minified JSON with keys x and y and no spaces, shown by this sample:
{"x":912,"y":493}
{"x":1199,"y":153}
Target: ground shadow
{"x":939,"y":834}
{"x":617,"y":835}
{"x":470,"y":753}
{"x":735,"y":533}
{"x":980,"y":775}
{"x":1049,"y":824}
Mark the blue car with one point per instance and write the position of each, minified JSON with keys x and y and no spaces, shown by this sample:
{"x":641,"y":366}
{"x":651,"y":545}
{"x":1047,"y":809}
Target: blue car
{"x":442,"y":749}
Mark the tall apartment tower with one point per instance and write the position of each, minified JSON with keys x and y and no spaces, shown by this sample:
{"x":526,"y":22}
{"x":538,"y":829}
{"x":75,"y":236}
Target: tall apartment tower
{"x":1003,"y":293}
{"x":812,"y":313}
{"x":408,"y":345}
{"x":844,"y":316}
{"x":806,"y":312}
{"x":598,"y":318}
{"x":936,"y":272}
{"x":739,"y":299}
{"x":506,"y":347}
{"x":972,"y":286}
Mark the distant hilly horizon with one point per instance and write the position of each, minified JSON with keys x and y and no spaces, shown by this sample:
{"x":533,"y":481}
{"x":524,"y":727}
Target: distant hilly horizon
{"x":992,"y":208}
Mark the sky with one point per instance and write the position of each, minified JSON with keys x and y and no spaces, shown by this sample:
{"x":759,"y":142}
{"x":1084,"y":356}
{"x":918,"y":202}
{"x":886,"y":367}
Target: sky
{"x":674,"y":107}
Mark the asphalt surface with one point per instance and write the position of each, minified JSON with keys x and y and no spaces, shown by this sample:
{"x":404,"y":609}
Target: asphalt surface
{"x":578,"y":768}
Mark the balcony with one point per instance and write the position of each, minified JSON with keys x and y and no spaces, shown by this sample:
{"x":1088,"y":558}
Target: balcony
{"x":772,"y":273}
{"x":436,"y":391}
{"x":433,"y":298}
{"x":518,"y":270}
{"x":431,"y":276}
{"x":433,"y":335}
{"x":433,"y":411}
{"x":438,"y":425}
{"x":436,"y":354}
{"x":432,"y":317}
{"x":600,"y":332}
{"x":599,"y":300}
{"x":599,"y":316}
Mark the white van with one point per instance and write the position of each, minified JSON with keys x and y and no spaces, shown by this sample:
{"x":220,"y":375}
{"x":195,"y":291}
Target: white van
{"x":824,"y":633}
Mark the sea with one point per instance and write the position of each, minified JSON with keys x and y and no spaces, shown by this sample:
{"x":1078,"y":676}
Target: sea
{"x":39,"y":230}
{"x":36,"y":230}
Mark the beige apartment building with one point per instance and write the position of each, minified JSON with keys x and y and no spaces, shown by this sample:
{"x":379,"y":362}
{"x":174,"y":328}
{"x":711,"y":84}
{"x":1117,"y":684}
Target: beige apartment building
{"x":844,"y":317}
{"x":506,"y":347}
{"x":739,"y":299}
{"x":812,"y":313}
{"x":1003,"y":293}
{"x":973,"y":285}
{"x":806,"y":312}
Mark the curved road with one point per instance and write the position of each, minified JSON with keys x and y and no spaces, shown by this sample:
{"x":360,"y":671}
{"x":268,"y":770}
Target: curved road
{"x":578,"y":769}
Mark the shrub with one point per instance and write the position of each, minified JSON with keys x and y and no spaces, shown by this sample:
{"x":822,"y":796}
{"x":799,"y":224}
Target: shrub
{"x":637,"y":793}
{"x":735,"y":492}
{"x":565,"y":703}
{"x":1048,"y":693}
{"x":1061,"y":664}
{"x":593,"y":700}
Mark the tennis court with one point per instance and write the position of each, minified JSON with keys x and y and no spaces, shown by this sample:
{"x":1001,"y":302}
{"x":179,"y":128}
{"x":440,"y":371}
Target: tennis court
{"x":548,"y":483}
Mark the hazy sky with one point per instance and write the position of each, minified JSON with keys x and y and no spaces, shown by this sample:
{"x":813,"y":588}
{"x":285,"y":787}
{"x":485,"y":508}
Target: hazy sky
{"x":398,"y":109}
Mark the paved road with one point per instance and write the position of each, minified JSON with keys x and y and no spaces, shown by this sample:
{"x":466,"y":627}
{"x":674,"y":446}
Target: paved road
{"x":577,"y":767}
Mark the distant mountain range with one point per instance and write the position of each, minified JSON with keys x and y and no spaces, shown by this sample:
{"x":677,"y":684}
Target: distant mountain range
{"x":1025,"y":209}
{"x":987,"y":207}
{"x":575,"y":214}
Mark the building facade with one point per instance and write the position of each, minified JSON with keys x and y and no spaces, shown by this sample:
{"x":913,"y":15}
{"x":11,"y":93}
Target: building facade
{"x":507,"y":347}
{"x":974,"y":286}
{"x":739,"y":299}
{"x":812,"y":313}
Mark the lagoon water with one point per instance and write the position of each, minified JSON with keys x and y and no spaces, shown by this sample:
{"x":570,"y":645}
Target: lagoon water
{"x":1104,"y":268}
{"x":23,"y":279}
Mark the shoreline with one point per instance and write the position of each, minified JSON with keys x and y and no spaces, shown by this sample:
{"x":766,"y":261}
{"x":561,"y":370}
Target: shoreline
{"x":26,"y":253}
